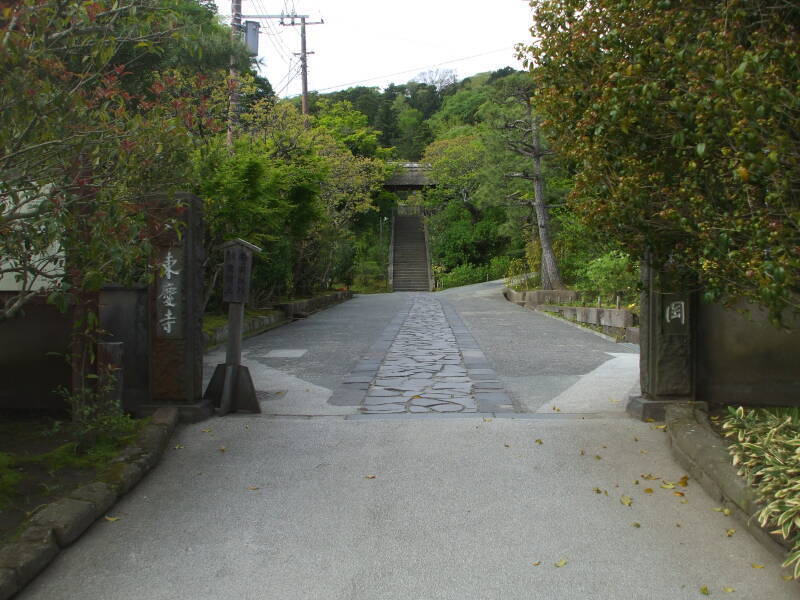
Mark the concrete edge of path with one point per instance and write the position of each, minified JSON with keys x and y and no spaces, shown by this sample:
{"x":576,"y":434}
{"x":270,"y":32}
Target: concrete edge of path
{"x":704,"y":455}
{"x":56,"y":525}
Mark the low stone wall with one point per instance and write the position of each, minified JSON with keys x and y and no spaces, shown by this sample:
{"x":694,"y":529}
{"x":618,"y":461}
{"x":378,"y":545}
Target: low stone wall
{"x":533,"y":298}
{"x":252,"y":326}
{"x":303,"y":308}
{"x":285,"y":312}
{"x":617,"y":322}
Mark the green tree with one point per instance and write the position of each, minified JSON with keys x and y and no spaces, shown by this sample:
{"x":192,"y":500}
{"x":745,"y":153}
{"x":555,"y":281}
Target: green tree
{"x":681,"y":118}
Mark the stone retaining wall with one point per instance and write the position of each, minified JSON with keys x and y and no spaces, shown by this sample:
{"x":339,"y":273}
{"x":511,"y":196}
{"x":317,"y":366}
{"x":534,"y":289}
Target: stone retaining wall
{"x":303,"y":308}
{"x":619,"y":323}
{"x":287,"y":311}
{"x":252,"y":326}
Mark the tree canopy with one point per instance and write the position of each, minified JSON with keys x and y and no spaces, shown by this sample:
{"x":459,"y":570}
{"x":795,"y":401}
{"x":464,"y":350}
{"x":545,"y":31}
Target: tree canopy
{"x":682,"y":119}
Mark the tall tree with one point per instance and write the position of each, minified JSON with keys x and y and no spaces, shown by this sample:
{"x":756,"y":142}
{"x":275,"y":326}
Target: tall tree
{"x":682,"y":118}
{"x":512,"y":114}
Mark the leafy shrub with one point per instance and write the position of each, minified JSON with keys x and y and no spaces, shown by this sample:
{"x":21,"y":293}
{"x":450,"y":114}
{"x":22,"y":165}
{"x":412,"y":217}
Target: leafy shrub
{"x":766,"y":447}
{"x":611,"y":273}
{"x":463,"y":275}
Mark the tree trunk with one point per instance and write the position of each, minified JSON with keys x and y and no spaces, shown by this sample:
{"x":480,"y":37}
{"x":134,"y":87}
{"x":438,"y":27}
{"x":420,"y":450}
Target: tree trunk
{"x":550,"y":274}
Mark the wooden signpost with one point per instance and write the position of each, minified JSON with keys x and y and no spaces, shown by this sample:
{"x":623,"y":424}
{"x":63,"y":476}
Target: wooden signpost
{"x":231,"y":387}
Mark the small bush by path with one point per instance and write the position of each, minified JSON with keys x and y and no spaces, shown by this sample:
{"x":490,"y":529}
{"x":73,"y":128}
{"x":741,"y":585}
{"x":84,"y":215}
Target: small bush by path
{"x":766,"y":448}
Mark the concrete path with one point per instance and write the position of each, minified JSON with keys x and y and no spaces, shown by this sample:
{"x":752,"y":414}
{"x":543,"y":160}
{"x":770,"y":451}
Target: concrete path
{"x":552,"y":494}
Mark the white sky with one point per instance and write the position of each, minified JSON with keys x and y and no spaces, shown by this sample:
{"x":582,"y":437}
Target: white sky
{"x":377,"y":42}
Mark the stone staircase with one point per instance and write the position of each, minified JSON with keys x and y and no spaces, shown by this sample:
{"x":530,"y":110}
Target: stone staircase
{"x":410,"y":255}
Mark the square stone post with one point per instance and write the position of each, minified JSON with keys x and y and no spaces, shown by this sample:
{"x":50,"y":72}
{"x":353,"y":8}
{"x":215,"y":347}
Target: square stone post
{"x":176,"y":304}
{"x":666,"y":328}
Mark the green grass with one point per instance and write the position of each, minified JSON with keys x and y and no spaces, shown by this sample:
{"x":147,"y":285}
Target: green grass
{"x":37,"y":451}
{"x":766,"y":448}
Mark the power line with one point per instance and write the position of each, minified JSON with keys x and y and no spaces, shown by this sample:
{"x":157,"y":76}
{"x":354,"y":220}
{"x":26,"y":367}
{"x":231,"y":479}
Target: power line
{"x":414,"y":70}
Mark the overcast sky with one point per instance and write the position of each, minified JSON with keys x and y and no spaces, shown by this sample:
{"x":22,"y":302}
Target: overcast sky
{"x":377,"y":42}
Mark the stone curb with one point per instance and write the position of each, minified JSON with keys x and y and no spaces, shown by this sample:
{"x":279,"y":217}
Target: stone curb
{"x":704,"y":455}
{"x":57,"y":525}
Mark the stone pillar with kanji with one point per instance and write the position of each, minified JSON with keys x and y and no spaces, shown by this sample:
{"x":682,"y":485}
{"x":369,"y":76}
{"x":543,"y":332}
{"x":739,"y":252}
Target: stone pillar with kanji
{"x":666,"y":329}
{"x":176,"y":301}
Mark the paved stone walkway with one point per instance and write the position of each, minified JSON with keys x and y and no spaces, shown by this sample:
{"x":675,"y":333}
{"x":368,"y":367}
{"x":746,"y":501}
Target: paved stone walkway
{"x":423,"y":370}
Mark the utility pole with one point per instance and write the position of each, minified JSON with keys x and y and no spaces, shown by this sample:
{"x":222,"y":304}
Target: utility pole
{"x":303,"y":66}
{"x":303,"y":54}
{"x":233,"y":102}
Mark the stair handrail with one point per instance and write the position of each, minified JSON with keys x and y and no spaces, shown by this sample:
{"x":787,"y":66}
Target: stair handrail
{"x":391,"y":252}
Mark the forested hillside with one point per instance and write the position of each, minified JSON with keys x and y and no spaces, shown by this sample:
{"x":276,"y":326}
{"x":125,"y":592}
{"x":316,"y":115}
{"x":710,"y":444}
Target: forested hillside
{"x":476,"y":134}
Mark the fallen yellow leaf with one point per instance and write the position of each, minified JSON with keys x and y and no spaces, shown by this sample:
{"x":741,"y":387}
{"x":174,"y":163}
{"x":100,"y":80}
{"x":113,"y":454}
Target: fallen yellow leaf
{"x":730,"y":532}
{"x":728,"y":590}
{"x":649,"y":420}
{"x":561,"y":562}
{"x":538,"y":441}
{"x":668,"y":486}
{"x":486,"y":420}
{"x":178,"y":447}
{"x":111,"y":519}
{"x":684,"y":502}
{"x":679,"y":494}
{"x":222,"y":448}
{"x":650,"y":477}
{"x":788,"y":577}
{"x":642,"y":451}
{"x":726,"y":512}
{"x":704,"y":590}
{"x":598,"y":457}
{"x":684,"y":481}
{"x":206,"y":430}
{"x":637,"y":525}
{"x":626,"y":500}
{"x":648,"y":490}
{"x":253,"y":488}
{"x":537,"y":563}
{"x":369,"y":476}
{"x":756,"y":566}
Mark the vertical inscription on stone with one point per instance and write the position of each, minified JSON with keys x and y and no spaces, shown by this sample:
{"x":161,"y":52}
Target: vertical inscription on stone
{"x":169,"y":300}
{"x":236,"y":274}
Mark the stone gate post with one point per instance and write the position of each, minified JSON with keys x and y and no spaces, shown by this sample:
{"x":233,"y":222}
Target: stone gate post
{"x":666,"y":328}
